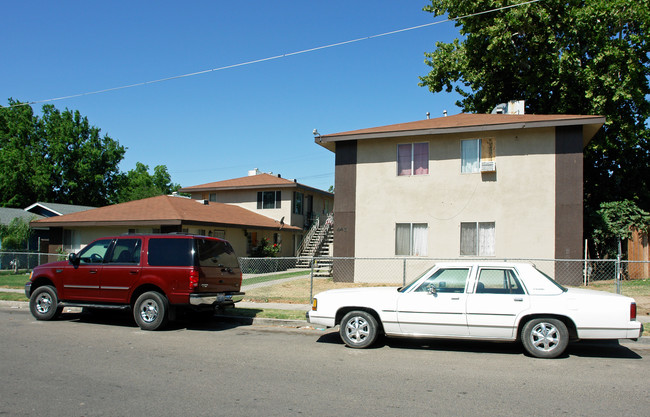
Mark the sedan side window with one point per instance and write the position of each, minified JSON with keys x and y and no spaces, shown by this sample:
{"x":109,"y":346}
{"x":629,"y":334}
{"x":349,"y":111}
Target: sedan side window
{"x":498,"y":281}
{"x":446,"y":280}
{"x":95,"y":252}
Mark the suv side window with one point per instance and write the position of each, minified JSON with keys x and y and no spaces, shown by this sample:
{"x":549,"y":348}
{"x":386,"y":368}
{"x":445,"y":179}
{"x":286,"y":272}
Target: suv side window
{"x":216,"y":253}
{"x":170,"y":252}
{"x":126,"y":251}
{"x":95,"y":252}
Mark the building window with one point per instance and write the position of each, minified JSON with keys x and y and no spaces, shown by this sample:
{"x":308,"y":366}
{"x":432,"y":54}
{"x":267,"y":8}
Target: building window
{"x":71,"y":239}
{"x":413,"y":159}
{"x":268,"y":199}
{"x":411,"y":239}
{"x":298,"y":202}
{"x":470,"y":156}
{"x":477,"y":239}
{"x":213,"y":197}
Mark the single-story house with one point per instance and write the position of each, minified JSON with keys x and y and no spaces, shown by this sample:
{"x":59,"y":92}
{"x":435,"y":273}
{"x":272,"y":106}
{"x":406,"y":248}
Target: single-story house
{"x":167,"y":214}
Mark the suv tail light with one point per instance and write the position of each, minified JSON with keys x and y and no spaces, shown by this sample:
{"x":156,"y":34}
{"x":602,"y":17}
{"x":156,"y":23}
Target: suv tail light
{"x":632,"y":311}
{"x":194,"y":279}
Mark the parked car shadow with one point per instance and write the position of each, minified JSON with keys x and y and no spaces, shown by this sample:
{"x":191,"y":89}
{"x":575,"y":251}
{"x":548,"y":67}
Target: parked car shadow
{"x":595,"y":348}
{"x":124,"y":318}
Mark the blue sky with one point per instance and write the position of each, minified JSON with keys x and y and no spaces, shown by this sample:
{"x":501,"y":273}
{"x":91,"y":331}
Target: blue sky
{"x":219,"y":125}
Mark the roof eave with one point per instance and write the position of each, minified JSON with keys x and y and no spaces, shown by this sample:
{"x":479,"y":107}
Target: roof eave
{"x":592,"y":125}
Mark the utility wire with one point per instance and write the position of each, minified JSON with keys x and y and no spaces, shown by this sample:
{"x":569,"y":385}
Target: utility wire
{"x":271,"y":58}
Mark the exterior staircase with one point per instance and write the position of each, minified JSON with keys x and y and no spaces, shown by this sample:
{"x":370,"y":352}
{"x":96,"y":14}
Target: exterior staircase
{"x":317,"y":245}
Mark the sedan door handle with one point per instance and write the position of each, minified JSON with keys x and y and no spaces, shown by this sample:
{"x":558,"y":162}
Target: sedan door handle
{"x":455,"y":298}
{"x":92,"y":271}
{"x":519,"y":299}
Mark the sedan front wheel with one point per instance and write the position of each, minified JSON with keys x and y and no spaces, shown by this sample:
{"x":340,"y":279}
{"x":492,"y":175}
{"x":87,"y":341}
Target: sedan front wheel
{"x":359,"y":329}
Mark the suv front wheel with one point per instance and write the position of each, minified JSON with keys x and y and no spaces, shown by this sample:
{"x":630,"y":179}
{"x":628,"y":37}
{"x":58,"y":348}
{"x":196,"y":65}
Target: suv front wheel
{"x":151,"y":310}
{"x":44,"y":303}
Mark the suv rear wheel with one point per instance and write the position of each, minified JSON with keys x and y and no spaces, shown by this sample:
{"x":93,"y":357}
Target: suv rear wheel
{"x":151,"y":310}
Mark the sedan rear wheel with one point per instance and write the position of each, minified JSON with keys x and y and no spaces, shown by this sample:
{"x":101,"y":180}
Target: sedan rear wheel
{"x":359,"y":329}
{"x":545,"y":337}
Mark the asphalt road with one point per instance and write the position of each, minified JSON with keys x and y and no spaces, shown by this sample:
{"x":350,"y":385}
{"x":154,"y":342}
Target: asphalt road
{"x":85,"y":365}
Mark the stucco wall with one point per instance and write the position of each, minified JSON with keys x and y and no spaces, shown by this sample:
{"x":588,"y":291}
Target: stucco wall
{"x":519,"y":197}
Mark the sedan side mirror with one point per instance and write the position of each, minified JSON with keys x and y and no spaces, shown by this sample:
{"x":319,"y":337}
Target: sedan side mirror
{"x":431,"y":289}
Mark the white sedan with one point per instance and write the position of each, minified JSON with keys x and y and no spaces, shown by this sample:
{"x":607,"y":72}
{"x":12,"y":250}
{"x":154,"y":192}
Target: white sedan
{"x":474,"y":300}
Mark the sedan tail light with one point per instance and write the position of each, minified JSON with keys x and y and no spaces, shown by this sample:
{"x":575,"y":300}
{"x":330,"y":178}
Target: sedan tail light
{"x":632,"y":311}
{"x":194,"y":279}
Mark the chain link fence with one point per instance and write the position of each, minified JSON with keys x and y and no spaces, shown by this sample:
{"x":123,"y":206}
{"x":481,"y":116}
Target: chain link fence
{"x":297,"y":280}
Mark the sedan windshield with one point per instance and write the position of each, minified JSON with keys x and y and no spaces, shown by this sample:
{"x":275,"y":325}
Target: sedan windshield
{"x":408,"y":287}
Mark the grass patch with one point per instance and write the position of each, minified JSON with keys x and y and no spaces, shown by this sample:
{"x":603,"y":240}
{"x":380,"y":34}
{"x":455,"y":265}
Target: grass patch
{"x":267,"y":313}
{"x":273,"y":277}
{"x":12,"y":296}
{"x":13,"y":281}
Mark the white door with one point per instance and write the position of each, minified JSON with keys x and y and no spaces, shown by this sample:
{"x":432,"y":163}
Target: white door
{"x":437,"y":306}
{"x":495,"y":304}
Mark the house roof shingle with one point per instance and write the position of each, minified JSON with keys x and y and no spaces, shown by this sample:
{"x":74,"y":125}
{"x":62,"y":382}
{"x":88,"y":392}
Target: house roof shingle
{"x":165,"y":210}
{"x":467,"y":122}
{"x":56,"y":209}
{"x":8,"y":214}
{"x":259,"y":181}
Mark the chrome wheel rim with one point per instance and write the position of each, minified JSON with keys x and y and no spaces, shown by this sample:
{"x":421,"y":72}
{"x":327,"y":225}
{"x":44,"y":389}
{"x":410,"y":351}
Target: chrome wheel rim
{"x":357,"y":330}
{"x":545,"y":337}
{"x":44,"y":303}
{"x":149,"y":311}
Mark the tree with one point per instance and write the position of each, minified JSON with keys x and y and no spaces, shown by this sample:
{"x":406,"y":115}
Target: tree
{"x":138,"y":183}
{"x":58,"y":158}
{"x":615,"y":221}
{"x":561,"y":57}
{"x":15,"y":235}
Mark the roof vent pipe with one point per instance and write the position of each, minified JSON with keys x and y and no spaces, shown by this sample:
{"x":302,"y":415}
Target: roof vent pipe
{"x":444,"y":113}
{"x":428,"y":115}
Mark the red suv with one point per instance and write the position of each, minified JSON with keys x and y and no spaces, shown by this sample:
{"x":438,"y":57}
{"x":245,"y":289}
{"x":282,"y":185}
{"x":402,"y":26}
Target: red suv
{"x":153,"y":275}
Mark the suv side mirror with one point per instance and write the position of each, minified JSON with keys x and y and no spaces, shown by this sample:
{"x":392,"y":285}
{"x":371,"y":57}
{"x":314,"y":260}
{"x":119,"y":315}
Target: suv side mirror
{"x":74,"y":259}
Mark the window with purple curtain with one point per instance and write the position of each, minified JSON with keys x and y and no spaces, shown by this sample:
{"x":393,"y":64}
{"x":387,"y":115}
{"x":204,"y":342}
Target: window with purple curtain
{"x":413,"y":159}
{"x":404,"y":159}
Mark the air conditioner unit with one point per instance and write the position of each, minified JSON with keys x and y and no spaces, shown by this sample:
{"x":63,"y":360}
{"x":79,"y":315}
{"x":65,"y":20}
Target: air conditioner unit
{"x":488,"y":166}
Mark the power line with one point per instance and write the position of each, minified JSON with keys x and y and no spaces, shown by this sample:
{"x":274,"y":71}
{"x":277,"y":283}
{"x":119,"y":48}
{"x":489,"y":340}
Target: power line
{"x":271,"y":58}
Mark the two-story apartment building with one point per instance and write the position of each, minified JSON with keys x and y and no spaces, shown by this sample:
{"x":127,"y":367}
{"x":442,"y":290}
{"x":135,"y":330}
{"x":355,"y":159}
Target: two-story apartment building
{"x":283,"y":200}
{"x":471,"y":185}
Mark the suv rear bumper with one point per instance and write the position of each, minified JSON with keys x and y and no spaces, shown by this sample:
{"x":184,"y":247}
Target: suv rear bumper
{"x":216,"y":298}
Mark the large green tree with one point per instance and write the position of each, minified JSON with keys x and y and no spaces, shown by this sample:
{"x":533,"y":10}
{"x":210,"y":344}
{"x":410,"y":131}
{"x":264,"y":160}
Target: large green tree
{"x":138,"y":183}
{"x":561,"y":57}
{"x":57,"y":158}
